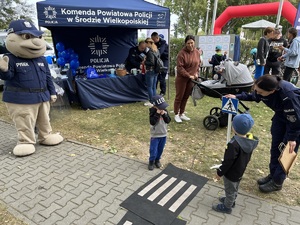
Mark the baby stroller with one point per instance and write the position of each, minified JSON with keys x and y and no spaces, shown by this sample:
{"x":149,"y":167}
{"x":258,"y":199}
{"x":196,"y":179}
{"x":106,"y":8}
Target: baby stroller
{"x":217,"y":118}
{"x":235,"y":78}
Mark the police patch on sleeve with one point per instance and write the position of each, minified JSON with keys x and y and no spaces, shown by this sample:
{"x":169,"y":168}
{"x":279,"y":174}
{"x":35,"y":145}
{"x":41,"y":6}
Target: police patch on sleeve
{"x":291,"y":118}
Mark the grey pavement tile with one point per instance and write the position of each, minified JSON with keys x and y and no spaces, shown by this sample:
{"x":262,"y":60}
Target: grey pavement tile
{"x":80,"y":210}
{"x":48,"y":210}
{"x":86,"y":218}
{"x":294,"y":215}
{"x":245,"y":219}
{"x":103,"y":216}
{"x":263,"y":218}
{"x":65,"y":210}
{"x":53,"y":219}
{"x":281,"y":217}
{"x":96,"y":196}
{"x":117,"y":216}
{"x":69,"y":219}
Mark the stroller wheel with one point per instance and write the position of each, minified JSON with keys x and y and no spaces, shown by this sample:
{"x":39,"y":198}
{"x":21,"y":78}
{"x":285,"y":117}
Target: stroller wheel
{"x":211,"y":122}
{"x":215,"y":111}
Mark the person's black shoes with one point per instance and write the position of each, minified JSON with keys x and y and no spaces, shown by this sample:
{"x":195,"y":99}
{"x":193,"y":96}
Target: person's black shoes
{"x":151,"y":165}
{"x":157,"y":164}
{"x":270,"y":187}
{"x":264,"y":180}
{"x":222,"y":199}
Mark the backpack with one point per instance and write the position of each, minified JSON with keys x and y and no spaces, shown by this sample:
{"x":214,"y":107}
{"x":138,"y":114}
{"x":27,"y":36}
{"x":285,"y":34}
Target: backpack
{"x":159,"y":64}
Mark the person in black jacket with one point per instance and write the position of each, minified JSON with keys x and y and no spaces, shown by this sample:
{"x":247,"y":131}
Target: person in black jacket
{"x":215,"y":61}
{"x":272,"y":64}
{"x":284,"y":99}
{"x":163,"y":49}
{"x":236,"y":157}
{"x":136,"y":56}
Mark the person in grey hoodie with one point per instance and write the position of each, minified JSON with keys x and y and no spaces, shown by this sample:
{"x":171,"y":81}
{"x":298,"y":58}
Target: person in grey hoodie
{"x":291,"y":57}
{"x":159,"y":118}
{"x":236,"y":157}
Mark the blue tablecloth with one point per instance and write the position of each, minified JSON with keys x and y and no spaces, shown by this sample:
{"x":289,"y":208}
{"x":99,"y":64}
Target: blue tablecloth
{"x":106,"y":92}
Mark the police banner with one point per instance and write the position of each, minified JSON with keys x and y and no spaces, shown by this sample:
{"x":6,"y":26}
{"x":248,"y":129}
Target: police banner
{"x":102,"y":49}
{"x":95,"y":13}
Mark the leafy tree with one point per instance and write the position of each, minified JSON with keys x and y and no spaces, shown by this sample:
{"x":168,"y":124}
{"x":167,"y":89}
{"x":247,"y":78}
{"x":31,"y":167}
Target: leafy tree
{"x":15,"y":9}
{"x":192,"y":14}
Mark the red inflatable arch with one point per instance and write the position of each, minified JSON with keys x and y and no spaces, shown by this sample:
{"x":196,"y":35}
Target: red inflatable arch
{"x":288,"y":11}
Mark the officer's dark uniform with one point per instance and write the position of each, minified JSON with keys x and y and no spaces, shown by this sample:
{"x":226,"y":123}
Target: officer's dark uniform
{"x":163,"y":48}
{"x":134,"y":59}
{"x":285,"y":102}
{"x":28,"y":82}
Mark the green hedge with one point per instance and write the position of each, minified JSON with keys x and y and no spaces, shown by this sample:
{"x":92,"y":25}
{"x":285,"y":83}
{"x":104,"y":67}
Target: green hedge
{"x":176,"y":44}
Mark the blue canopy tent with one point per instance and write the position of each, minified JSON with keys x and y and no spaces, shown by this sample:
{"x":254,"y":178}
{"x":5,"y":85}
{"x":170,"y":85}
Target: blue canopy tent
{"x":101,"y":32}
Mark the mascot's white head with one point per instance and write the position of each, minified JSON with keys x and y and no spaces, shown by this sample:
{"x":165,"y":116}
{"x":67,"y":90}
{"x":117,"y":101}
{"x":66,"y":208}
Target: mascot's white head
{"x":24,"y":40}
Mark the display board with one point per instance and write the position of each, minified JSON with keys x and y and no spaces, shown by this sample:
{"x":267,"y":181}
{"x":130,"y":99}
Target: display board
{"x":208,"y":44}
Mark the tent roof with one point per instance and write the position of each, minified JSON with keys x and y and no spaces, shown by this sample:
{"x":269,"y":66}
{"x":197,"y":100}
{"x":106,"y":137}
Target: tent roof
{"x":260,"y":24}
{"x":102,"y":13}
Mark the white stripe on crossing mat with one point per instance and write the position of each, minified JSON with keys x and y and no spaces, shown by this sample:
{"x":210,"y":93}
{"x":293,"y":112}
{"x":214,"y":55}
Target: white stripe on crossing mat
{"x":182,"y":198}
{"x":165,"y":199}
{"x":162,"y":188}
{"x":127,"y":223}
{"x":151,"y":185}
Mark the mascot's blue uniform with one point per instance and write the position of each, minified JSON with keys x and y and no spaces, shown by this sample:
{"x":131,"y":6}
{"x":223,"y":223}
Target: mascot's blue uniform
{"x":31,"y":77}
{"x":28,"y":88}
{"x":285,"y":102}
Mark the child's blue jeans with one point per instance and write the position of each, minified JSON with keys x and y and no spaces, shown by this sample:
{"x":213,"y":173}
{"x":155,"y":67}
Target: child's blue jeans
{"x":157,"y":145}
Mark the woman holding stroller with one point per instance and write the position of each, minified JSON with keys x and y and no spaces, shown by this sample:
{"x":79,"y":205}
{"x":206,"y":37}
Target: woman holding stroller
{"x":188,"y":64}
{"x":284,"y":99}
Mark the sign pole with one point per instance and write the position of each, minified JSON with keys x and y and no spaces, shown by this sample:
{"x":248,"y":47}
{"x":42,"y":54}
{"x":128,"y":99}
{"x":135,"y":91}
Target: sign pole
{"x":229,"y":127}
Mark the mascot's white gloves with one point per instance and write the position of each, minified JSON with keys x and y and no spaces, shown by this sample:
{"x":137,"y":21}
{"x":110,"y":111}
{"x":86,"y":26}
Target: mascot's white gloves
{"x":4,"y":63}
{"x":53,"y":98}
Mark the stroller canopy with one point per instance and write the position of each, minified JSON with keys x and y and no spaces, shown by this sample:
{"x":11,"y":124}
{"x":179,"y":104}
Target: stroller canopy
{"x":236,"y":73}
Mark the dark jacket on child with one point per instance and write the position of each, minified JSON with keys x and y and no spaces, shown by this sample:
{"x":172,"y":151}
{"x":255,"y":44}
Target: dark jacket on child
{"x":215,"y":60}
{"x":158,"y":123}
{"x":236,"y":157}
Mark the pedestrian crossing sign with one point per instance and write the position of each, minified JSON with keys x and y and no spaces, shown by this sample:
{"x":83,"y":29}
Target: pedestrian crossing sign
{"x":230,"y":105}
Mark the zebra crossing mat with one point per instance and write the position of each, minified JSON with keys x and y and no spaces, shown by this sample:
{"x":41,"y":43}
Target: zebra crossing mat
{"x":132,"y":219}
{"x":161,"y":199}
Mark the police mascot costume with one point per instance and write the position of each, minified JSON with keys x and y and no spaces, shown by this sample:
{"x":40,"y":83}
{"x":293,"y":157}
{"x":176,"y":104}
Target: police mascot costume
{"x":28,"y":88}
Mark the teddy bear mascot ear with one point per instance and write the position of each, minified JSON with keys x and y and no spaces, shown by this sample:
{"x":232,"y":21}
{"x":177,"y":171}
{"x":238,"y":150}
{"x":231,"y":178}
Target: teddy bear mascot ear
{"x":28,"y":88}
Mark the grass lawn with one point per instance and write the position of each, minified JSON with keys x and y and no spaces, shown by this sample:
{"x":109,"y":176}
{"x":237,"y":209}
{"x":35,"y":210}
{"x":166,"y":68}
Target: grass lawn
{"x":124,"y":130}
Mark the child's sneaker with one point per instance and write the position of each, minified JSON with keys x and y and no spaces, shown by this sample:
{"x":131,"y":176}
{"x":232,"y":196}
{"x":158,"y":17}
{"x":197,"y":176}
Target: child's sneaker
{"x":222,"y":208}
{"x":222,"y":199}
{"x":151,"y":165}
{"x":157,"y":164}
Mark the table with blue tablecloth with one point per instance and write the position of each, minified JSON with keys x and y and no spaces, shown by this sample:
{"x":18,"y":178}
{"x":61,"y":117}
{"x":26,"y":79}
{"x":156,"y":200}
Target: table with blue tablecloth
{"x":107,"y":92}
